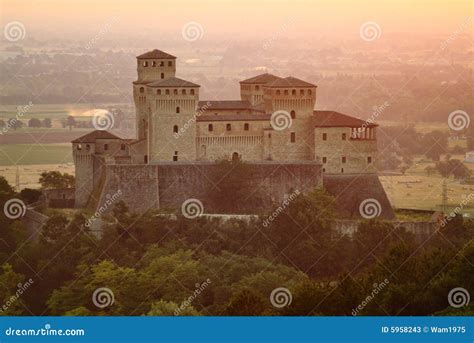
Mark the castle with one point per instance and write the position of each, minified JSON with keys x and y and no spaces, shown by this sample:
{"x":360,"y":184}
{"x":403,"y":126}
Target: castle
{"x":179,"y":138}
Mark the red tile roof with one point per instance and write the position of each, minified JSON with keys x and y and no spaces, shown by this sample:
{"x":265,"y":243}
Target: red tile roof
{"x":261,"y":79}
{"x":156,"y":54}
{"x":336,"y":119}
{"x":92,"y":136}
{"x":172,"y":82}
{"x":289,"y":81}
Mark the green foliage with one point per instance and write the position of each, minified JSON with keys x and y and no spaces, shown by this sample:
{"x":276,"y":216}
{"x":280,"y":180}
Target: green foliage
{"x":453,"y":167}
{"x":30,"y":195}
{"x":56,"y":180}
{"x":169,"y":308}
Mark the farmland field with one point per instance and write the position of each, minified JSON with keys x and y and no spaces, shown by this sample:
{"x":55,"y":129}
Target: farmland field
{"x":30,"y":154}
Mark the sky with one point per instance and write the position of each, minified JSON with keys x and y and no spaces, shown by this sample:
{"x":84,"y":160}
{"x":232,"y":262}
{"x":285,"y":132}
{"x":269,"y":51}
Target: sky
{"x":231,"y":18}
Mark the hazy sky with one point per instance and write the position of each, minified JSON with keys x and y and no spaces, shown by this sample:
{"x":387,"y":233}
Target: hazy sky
{"x":236,"y":17}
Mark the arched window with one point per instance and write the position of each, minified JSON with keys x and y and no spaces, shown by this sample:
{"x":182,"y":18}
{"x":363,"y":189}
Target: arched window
{"x":192,"y":91}
{"x":183,"y":92}
{"x":293,"y":137}
{"x":153,"y":64}
{"x":79,"y":147}
{"x":167,"y":92}
{"x":106,"y":146}
{"x":286,"y":92}
{"x":210,"y":128}
{"x":301,"y":91}
{"x":177,"y":109}
{"x":175,"y":129}
{"x":235,"y":156}
{"x":293,"y":114}
{"x":293,"y":92}
{"x":309,"y":92}
{"x":162,"y":64}
{"x":228,"y":127}
{"x":175,"y":91}
{"x":257,"y":88}
{"x":278,"y":92}
{"x":145,"y":64}
{"x":142,"y":89}
{"x":158,"y":91}
{"x":170,"y":63}
{"x":162,"y":75}
{"x":88,"y":147}
{"x":246,"y":126}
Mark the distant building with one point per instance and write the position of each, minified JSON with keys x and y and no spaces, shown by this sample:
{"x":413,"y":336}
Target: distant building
{"x":469,"y":157}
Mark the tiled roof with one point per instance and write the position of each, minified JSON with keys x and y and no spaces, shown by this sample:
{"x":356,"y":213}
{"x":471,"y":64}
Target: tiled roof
{"x":225,"y":105}
{"x":235,"y":117}
{"x":92,"y":136}
{"x":262,"y":78}
{"x":336,"y":119}
{"x":158,"y":54}
{"x":172,"y":82}
{"x":289,"y":82}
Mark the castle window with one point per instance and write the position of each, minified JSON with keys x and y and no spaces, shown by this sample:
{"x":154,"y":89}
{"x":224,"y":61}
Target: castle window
{"x":79,"y":147}
{"x":167,"y":92}
{"x":369,"y":159}
{"x":142,"y":90}
{"x":88,"y":147}
{"x":342,"y":170}
{"x":106,"y":146}
{"x":228,"y":127}
{"x":145,"y":159}
{"x":302,"y":92}
{"x":162,"y":64}
{"x":286,"y":92}
{"x":325,"y":159}
{"x":162,"y":75}
{"x":246,"y":126}
{"x":175,"y":158}
{"x":257,"y":88}
{"x":145,"y":64}
{"x":293,"y":137}
{"x":175,"y":91}
{"x":158,"y":91}
{"x":325,"y":136}
{"x":177,"y":109}
{"x":235,"y":156}
{"x":210,"y":128}
{"x":122,"y":147}
{"x":192,"y":91}
{"x":343,"y":159}
{"x":293,"y":114}
{"x":183,"y":92}
{"x":293,"y":92}
{"x":324,"y":170}
{"x":278,"y":92}
{"x":170,"y":63}
{"x":153,"y":64}
{"x":175,"y":129}
{"x":344,"y":137}
{"x":309,"y":92}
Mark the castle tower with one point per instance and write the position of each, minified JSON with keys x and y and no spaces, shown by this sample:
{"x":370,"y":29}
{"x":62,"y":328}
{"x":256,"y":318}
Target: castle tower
{"x":297,"y":99}
{"x":152,"y":66}
{"x":172,"y":132}
{"x":252,"y":89}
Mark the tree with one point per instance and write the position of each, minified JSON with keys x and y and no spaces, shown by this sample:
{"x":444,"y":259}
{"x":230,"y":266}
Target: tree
{"x":246,"y":303}
{"x":34,"y":122}
{"x":435,"y":144}
{"x":453,"y":167}
{"x":2,"y":123}
{"x":169,"y":308}
{"x":71,"y":122}
{"x":47,"y":123}
{"x":30,"y":195}
{"x":56,"y":180}
{"x":15,"y":123}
